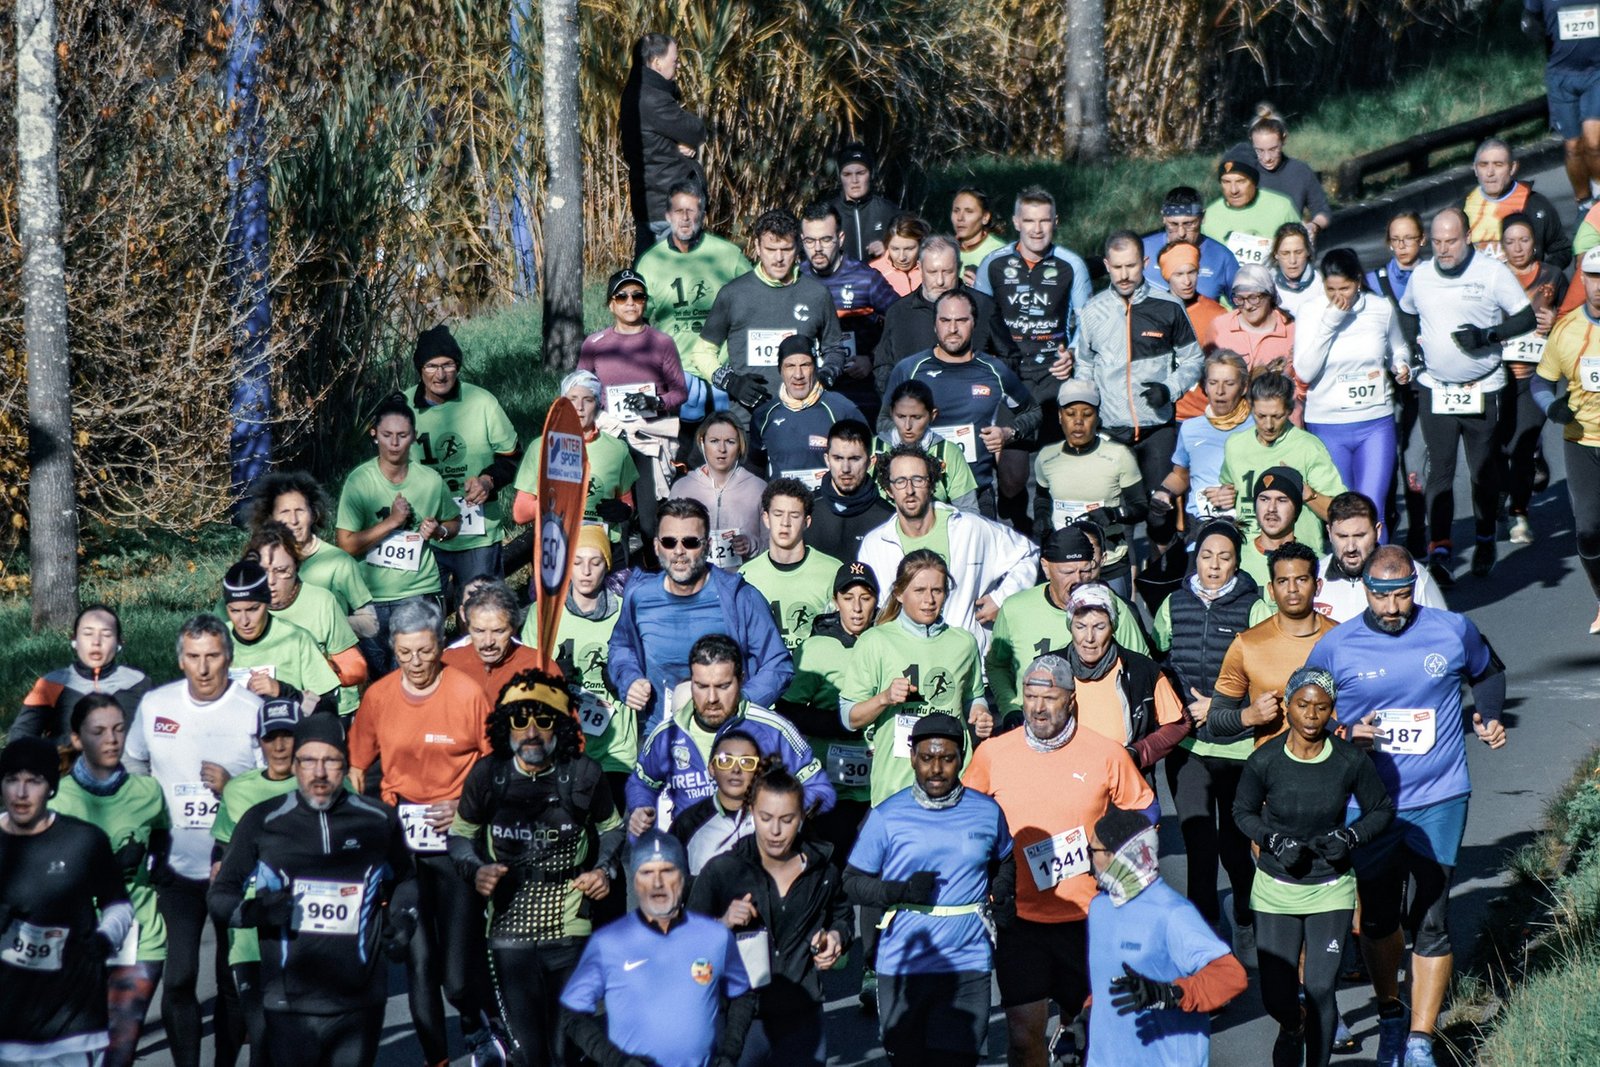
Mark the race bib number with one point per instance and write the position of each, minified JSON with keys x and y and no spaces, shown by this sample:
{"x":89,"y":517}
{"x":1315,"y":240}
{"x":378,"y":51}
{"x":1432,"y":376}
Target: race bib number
{"x":594,"y":713}
{"x":1065,"y":511}
{"x":1360,"y":390}
{"x":811,"y":477}
{"x":1207,"y":510}
{"x":849,"y":341}
{"x":1458,"y":399}
{"x":127,"y":953}
{"x":720,"y":552}
{"x":242,"y":675}
{"x":400,"y":551}
{"x":902,"y":734}
{"x":1589,"y":373}
{"x":1405,"y":731}
{"x":326,"y":907}
{"x":1248,"y":248}
{"x":1529,"y":348}
{"x":761,"y":346}
{"x":1058,"y":858}
{"x":755,"y":952}
{"x":420,"y":834}
{"x":194,"y":806}
{"x":34,"y":948}
{"x":1578,"y":23}
{"x":964,"y":436}
{"x":617,"y":395}
{"x":471,"y":518}
{"x":849,"y":765}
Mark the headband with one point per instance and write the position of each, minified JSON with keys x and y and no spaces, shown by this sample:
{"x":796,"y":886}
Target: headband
{"x":540,"y":693}
{"x":1389,"y":585}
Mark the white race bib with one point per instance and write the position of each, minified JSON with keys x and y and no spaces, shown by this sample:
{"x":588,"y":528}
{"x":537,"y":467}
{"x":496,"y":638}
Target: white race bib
{"x":193,"y":805}
{"x":1358,"y":389}
{"x":1458,"y":399}
{"x":617,"y":394}
{"x":34,"y":948}
{"x":1405,"y":731}
{"x":761,"y":346}
{"x":420,"y":834}
{"x":1578,"y":23}
{"x":594,"y":713}
{"x":720,"y":552}
{"x":848,"y":339}
{"x":1248,"y":248}
{"x":1589,"y":373}
{"x":400,"y":551}
{"x":471,"y":517}
{"x":1058,"y":858}
{"x":849,"y":765}
{"x":902,"y":734}
{"x":1529,"y":348}
{"x":128,"y":953}
{"x":326,"y":907}
{"x":242,"y":675}
{"x":812,"y":477}
{"x":964,"y":436}
{"x":1065,"y":511}
{"x":1207,"y":510}
{"x":755,"y":952}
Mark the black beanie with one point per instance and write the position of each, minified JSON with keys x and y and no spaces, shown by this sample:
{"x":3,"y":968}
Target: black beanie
{"x":431,"y":344}
{"x":1118,"y":826}
{"x":324,"y":727}
{"x":33,"y":754}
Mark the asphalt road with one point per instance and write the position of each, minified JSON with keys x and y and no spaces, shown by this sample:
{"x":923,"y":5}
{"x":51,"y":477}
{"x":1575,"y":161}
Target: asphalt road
{"x":1535,"y":608}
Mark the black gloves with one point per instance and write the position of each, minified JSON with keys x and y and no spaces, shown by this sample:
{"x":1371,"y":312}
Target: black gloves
{"x":269,"y":907}
{"x":746,"y":389}
{"x":130,"y":858}
{"x":613,"y":512}
{"x":1289,"y":851}
{"x":1155,"y":394}
{"x":643,"y":404}
{"x":1134,"y":992}
{"x":398,"y":927}
{"x":1560,"y":411}
{"x":1470,"y":337}
{"x":918,"y":889}
{"x":1335,"y":847}
{"x":1160,"y":505}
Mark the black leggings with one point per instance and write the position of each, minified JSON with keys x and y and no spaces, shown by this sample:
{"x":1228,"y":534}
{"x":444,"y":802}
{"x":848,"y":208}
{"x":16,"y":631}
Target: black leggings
{"x":1203,"y":788}
{"x":349,"y":1039}
{"x":448,"y":951}
{"x":1484,"y":437}
{"x":182,"y":903}
{"x":1279,"y":939}
{"x":247,"y":980}
{"x":1583,"y":487}
{"x":1523,"y":445}
{"x":528,"y":979}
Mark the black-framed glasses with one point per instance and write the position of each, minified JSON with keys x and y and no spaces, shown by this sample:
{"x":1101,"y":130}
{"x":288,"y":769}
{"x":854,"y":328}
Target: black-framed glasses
{"x":544,"y":720}
{"x":332,"y":763}
{"x":727,"y":761}
{"x":691,"y":542}
{"x":919,"y":481}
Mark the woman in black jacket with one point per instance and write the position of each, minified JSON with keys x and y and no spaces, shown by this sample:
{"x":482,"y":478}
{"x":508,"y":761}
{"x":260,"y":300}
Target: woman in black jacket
{"x":785,"y":903}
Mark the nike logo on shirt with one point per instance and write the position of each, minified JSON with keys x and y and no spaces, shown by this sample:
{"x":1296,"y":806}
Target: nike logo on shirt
{"x":633,"y":965}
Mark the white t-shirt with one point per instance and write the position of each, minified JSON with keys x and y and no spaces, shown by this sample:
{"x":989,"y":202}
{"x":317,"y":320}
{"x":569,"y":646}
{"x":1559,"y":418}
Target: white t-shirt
{"x":1482,"y":295}
{"x":1343,"y":599}
{"x":1345,"y":358}
{"x":174,"y":734}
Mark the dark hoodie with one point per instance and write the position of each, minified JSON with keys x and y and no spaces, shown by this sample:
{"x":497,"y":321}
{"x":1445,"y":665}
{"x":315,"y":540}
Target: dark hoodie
{"x":838,"y":523}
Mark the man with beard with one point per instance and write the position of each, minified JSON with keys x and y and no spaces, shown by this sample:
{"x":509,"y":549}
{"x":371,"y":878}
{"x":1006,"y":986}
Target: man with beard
{"x":333,"y":882}
{"x":674,"y":989}
{"x":1399,"y":669}
{"x":909,"y":326}
{"x":847,"y":504}
{"x":861,"y":296}
{"x":1353,"y":529}
{"x":537,"y":835}
{"x":1053,"y":781}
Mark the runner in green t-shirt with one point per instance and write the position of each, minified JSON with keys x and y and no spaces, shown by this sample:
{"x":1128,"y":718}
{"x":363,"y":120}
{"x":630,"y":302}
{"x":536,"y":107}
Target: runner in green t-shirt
{"x":909,"y":665}
{"x":391,"y":511}
{"x":612,"y":472}
{"x":298,"y":501}
{"x":271,"y":657}
{"x":1245,"y":216}
{"x":684,"y":273}
{"x":132,"y":811}
{"x":1276,"y":442}
{"x":311,"y":608}
{"x":796,"y":580}
{"x":912,"y":413}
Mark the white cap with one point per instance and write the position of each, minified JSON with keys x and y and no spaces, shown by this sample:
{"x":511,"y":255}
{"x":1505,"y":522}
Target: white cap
{"x":1591,"y":261}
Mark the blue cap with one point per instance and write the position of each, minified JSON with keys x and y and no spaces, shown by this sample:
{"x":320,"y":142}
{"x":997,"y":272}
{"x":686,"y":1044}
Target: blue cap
{"x":656,"y":846}
{"x":278,"y":716}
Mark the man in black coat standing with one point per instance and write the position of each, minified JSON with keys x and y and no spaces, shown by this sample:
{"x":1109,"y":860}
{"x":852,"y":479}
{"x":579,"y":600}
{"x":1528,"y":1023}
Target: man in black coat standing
{"x":659,"y":136}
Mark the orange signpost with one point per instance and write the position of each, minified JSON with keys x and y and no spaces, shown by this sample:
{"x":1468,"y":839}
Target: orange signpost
{"x":563,"y":488}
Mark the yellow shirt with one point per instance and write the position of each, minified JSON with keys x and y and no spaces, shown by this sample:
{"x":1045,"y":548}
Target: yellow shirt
{"x":1572,"y":352}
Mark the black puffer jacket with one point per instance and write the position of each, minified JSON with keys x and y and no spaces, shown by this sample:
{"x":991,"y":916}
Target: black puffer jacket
{"x":1202,"y":631}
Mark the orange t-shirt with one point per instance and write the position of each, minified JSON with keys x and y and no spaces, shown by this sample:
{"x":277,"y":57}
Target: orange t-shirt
{"x":464,"y":658}
{"x":428,"y":744}
{"x":1048,"y":793}
{"x":1100,"y":706}
{"x":1260,"y":660}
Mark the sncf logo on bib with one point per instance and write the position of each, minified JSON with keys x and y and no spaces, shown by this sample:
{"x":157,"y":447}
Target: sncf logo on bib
{"x":165,"y":726}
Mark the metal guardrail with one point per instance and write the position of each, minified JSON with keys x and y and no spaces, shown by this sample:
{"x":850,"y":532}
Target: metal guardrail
{"x":1413,"y":153}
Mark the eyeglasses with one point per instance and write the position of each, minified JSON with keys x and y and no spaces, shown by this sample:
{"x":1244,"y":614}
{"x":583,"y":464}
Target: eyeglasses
{"x":727,"y":761}
{"x":1417,"y":240}
{"x":332,"y":763}
{"x":819,"y":242}
{"x":916,"y":481}
{"x":632,"y":296}
{"x":691,"y":543}
{"x":1251,"y":299}
{"x":544,"y":720}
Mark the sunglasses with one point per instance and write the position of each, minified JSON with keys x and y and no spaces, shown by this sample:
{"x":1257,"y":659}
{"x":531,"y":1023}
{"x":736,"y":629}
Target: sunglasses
{"x":544,"y":720}
{"x":691,"y":543}
{"x":727,"y":761}
{"x":632,"y":296}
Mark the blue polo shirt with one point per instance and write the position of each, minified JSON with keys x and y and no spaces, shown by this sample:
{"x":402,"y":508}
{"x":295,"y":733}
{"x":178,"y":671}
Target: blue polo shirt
{"x":900,"y":838}
{"x":1199,"y":451}
{"x":663,"y":992}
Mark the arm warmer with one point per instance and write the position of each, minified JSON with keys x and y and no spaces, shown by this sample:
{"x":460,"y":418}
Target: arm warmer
{"x":1213,"y":985}
{"x":1489,"y":689}
{"x":1515,"y":325}
{"x":588,"y":1032}
{"x":1225,"y":721}
{"x":502,"y":471}
{"x":1154,"y":746}
{"x":115,"y":922}
{"x":1542,"y":391}
{"x":868,"y":890}
{"x":736,"y":1020}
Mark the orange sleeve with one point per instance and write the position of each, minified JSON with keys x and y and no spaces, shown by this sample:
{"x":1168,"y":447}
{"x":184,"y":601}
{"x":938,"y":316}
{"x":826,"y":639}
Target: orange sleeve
{"x":1169,"y":709}
{"x":525,"y":507}
{"x":363,"y":737}
{"x":350,"y":666}
{"x":976,"y":775}
{"x":1129,"y":791}
{"x":1231,"y":679}
{"x":1213,"y":985}
{"x":43,"y":694}
{"x":481,"y":709}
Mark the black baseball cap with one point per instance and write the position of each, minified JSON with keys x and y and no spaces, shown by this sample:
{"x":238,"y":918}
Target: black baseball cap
{"x":939,"y":725}
{"x":623,"y":277}
{"x":278,"y":715}
{"x":855,"y":574}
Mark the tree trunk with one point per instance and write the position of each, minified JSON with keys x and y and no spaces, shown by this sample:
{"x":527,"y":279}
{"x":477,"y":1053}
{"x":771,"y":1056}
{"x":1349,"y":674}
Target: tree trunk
{"x":1084,"y":114}
{"x":563,"y":219}
{"x":52,"y":496}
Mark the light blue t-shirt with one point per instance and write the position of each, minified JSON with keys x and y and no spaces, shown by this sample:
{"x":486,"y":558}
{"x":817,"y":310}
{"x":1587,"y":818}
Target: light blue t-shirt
{"x":1199,"y":451}
{"x":1159,"y":934}
{"x":900,"y":838}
